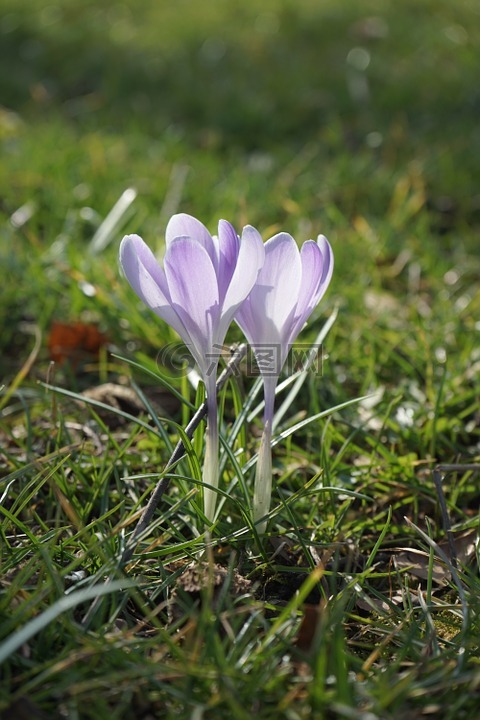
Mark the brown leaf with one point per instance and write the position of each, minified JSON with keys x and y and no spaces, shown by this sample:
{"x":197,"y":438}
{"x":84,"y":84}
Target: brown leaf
{"x":308,"y":627}
{"x":122,"y":397}
{"x":74,"y":341}
{"x":417,"y":561}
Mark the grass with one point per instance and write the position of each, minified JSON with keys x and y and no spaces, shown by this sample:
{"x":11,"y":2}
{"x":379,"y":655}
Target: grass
{"x":359,"y":122}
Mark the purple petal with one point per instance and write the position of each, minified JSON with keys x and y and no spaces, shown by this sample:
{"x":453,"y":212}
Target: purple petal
{"x":183,"y":225}
{"x":317,"y":268}
{"x":248,"y":321}
{"x":266,"y":314}
{"x":251,"y":257}
{"x":148,"y":280}
{"x":312,"y":268}
{"x":282,"y":273}
{"x":228,"y":245}
{"x":327,"y":254}
{"x":193,"y":287}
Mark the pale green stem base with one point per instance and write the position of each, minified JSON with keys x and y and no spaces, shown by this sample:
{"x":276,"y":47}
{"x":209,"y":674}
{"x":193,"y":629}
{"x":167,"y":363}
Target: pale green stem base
{"x":210,"y":466}
{"x":263,"y":475}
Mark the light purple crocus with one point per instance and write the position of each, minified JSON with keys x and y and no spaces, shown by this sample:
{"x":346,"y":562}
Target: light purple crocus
{"x":203,"y":282}
{"x":289,"y":286}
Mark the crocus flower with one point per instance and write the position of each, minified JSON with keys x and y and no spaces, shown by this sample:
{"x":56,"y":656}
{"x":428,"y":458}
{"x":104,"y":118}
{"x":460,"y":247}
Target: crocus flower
{"x":203,"y":282}
{"x":288,"y":288}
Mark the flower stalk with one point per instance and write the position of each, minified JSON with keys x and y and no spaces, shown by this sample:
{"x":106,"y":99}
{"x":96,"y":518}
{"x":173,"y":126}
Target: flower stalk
{"x":263,"y":475}
{"x":210,"y":465}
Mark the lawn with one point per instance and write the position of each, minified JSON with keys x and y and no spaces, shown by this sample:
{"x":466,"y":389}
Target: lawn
{"x":362,"y":598}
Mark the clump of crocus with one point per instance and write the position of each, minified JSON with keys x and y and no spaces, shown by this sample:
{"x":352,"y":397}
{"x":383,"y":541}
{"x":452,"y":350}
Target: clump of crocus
{"x":289,"y":286}
{"x":203,"y":282}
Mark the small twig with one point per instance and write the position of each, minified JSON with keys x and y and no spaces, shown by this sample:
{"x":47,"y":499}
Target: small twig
{"x":439,"y":473}
{"x":178,"y":453}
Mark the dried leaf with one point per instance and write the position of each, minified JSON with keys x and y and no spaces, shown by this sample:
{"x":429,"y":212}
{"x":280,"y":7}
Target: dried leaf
{"x":417,"y":561}
{"x":121,"y":397}
{"x":308,"y":626}
{"x":74,"y":341}
{"x":117,"y":396}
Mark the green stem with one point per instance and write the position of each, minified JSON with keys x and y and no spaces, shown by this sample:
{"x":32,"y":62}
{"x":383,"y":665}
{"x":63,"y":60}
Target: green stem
{"x":263,"y":476}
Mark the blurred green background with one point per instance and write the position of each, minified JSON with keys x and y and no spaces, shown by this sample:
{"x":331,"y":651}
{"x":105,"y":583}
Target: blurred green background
{"x":358,"y":120}
{"x":370,"y":81}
